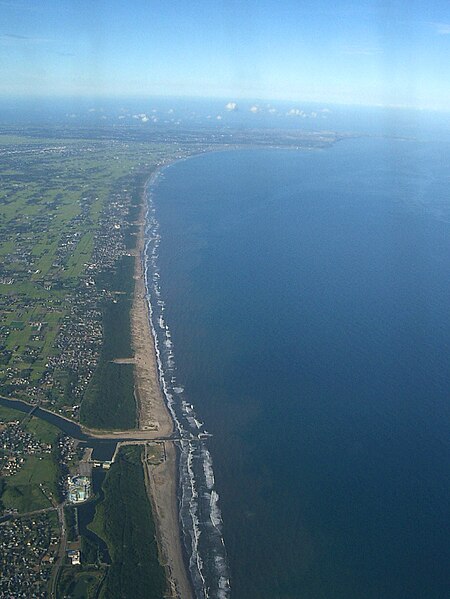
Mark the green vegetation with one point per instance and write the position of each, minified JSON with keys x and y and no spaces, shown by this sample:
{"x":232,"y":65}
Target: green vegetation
{"x":10,"y":415}
{"x":155,"y":452}
{"x":120,"y":278}
{"x":109,"y":401}
{"x":33,"y":487}
{"x":80,"y":583}
{"x":53,"y":521}
{"x":71,"y":523}
{"x":124,"y":520}
{"x":68,"y":208}
{"x":68,"y":211}
{"x":42,"y":430}
{"x":89,"y":550}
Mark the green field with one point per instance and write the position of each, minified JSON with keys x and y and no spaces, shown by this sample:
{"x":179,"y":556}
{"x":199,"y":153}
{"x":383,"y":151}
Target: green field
{"x":33,"y":487}
{"x":10,"y":415}
{"x":69,"y":204}
{"x":44,"y":431}
{"x":68,"y":208}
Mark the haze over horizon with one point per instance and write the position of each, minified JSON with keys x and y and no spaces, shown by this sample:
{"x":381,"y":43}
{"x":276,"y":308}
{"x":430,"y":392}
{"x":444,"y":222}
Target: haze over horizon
{"x":373,"y":53}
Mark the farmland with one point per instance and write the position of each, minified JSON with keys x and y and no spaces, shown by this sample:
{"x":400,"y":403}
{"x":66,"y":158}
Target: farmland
{"x":67,"y":212}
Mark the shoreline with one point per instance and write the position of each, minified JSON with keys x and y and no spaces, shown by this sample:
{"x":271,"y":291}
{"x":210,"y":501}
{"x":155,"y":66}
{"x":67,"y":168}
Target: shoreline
{"x":153,"y":417}
{"x":154,"y":421}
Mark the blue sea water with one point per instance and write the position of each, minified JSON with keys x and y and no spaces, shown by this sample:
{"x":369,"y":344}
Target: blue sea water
{"x":307,"y":294}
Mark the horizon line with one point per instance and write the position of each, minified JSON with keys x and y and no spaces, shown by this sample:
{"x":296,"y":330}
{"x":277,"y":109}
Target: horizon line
{"x":224,"y":98}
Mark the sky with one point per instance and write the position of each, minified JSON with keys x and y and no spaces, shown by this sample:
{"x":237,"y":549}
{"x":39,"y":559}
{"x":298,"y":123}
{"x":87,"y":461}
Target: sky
{"x":387,"y":53}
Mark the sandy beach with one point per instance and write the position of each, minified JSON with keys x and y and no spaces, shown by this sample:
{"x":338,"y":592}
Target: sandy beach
{"x":154,"y":419}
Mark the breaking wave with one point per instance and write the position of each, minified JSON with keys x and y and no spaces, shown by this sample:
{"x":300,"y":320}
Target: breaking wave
{"x":200,"y":516}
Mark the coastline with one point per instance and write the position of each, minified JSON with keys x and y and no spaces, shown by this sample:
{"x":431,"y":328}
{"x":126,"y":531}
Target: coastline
{"x":153,"y":416}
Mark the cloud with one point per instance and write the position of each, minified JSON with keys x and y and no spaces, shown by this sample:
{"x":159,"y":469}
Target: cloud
{"x":141,"y":117}
{"x":441,"y":28}
{"x":255,"y":109}
{"x":231,"y":106}
{"x":314,"y":114}
{"x":219,"y":117}
{"x":295,"y":112}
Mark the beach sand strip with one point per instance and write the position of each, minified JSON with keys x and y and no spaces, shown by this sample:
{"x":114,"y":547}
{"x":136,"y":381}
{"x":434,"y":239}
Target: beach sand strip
{"x":153,"y":415}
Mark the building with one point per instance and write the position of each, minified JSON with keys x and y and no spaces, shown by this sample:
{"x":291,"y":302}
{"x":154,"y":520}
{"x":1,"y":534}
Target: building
{"x":74,"y":556}
{"x":79,"y":488}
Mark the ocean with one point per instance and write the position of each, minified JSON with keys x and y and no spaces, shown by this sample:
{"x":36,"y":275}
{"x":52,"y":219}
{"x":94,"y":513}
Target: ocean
{"x":301,"y":303}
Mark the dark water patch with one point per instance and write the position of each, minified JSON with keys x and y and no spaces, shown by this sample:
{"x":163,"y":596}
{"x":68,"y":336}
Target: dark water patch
{"x":307,"y":297}
{"x":200,"y":516}
{"x":103,"y":450}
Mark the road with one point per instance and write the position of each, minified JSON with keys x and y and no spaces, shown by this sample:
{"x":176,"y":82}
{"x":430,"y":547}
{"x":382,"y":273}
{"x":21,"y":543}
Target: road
{"x":61,"y":552}
{"x":26,"y":514}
